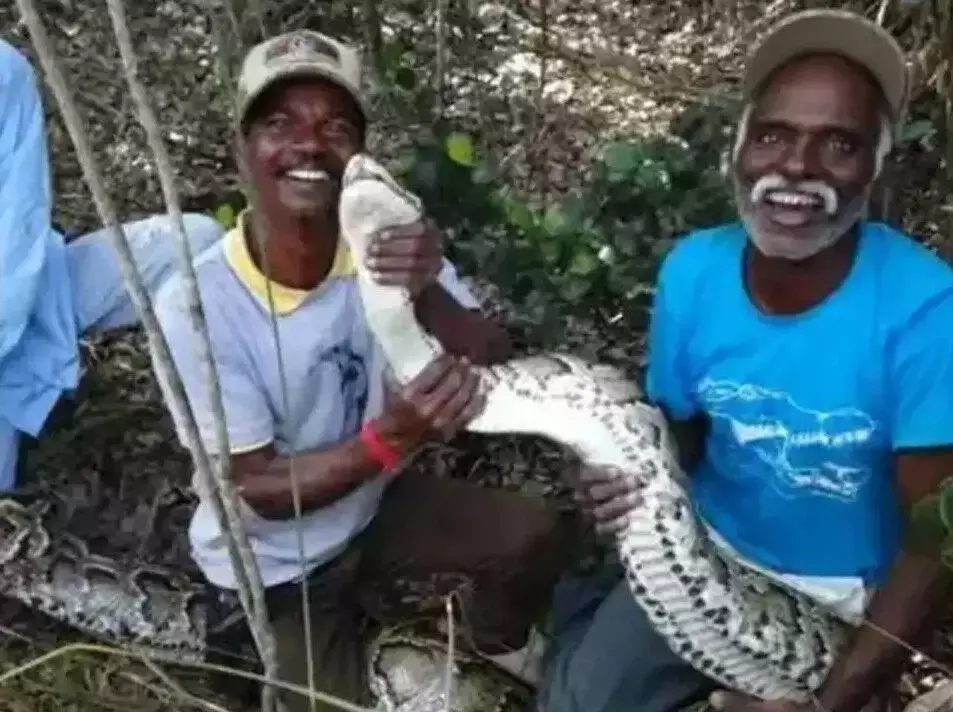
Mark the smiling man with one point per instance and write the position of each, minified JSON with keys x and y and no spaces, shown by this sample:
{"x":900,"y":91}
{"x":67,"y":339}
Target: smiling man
{"x":302,"y":381}
{"x":805,"y":358}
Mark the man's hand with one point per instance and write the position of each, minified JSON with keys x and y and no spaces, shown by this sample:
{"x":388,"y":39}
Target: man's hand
{"x":607,"y":496}
{"x":440,"y":401}
{"x":409,"y":256}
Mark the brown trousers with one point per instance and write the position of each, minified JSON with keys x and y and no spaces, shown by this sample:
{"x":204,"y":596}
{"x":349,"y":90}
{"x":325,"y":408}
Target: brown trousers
{"x":512,"y":547}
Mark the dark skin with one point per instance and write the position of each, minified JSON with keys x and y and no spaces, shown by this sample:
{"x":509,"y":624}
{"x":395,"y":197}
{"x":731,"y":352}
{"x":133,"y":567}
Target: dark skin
{"x":314,"y":126}
{"x":817,"y":118}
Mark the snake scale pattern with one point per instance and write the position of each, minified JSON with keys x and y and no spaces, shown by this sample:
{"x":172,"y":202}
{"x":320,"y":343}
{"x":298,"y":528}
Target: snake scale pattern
{"x":170,"y":616}
{"x":733,"y":624}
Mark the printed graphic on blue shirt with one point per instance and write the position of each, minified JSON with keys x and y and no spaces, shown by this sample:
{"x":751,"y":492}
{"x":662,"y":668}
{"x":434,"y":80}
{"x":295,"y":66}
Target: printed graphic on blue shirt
{"x":806,"y":452}
{"x":805,"y":410}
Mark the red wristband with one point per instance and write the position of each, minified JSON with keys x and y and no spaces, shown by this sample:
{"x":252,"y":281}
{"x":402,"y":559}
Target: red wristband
{"x":386,"y":455}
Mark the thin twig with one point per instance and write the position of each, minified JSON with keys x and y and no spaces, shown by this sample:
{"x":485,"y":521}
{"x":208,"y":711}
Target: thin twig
{"x":292,"y":471}
{"x":882,"y":12}
{"x":440,"y":59}
{"x":451,"y":654}
{"x":20,"y":670}
{"x":218,"y":482}
{"x":173,"y":686}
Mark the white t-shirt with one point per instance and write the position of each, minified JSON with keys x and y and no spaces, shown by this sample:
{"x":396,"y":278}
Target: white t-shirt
{"x":334,"y":376}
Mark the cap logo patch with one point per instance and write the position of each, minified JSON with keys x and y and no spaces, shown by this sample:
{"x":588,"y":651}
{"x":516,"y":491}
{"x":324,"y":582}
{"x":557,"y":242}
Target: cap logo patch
{"x":302,"y":46}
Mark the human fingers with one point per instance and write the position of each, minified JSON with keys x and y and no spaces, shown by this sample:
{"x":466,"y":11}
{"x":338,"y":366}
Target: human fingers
{"x":463,"y":403}
{"x":427,"y":379}
{"x":437,"y":398}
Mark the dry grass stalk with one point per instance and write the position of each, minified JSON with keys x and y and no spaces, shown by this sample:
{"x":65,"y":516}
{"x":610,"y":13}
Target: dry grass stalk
{"x":217,"y":481}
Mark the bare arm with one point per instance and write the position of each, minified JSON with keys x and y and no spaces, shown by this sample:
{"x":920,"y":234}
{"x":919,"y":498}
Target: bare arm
{"x":462,"y":331}
{"x":908,"y":605}
{"x":439,"y":400}
{"x":324,"y":476}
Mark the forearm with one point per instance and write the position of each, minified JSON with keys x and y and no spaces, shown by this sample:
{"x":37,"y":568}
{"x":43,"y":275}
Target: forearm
{"x":462,"y":331}
{"x":322,"y":476}
{"x":906,"y":607}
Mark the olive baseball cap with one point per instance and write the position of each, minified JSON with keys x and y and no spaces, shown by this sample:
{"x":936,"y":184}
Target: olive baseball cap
{"x":301,"y":53}
{"x":836,"y":32}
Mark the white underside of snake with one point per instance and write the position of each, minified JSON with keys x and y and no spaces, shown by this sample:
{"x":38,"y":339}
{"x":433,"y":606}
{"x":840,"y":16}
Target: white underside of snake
{"x":733,"y":624}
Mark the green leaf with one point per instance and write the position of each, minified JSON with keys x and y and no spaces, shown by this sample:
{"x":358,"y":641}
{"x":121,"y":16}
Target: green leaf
{"x":225,"y":215}
{"x":917,"y":130}
{"x":622,"y":157}
{"x":550,"y":250}
{"x":405,"y":78}
{"x":518,"y":213}
{"x":584,"y":262}
{"x":555,"y":221}
{"x":460,"y":149}
{"x":926,"y":523}
{"x":482,"y":175}
{"x":402,"y":165}
{"x":574,"y":289}
{"x":931,"y":523}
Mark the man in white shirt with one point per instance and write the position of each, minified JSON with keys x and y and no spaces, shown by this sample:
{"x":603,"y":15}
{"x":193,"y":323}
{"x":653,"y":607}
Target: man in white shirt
{"x":299,"y":116}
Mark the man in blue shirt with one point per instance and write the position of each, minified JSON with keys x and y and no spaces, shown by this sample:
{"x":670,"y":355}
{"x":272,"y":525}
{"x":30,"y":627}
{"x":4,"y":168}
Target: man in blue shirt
{"x":50,"y":291}
{"x":804,"y":357}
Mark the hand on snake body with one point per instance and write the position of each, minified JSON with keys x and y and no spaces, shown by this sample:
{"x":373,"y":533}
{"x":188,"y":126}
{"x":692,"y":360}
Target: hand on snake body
{"x":606,"y":495}
{"x":438,"y":403}
{"x":408,"y":256}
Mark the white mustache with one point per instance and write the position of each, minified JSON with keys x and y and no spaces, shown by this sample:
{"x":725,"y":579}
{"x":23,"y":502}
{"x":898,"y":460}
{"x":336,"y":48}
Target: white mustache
{"x":824,"y":191}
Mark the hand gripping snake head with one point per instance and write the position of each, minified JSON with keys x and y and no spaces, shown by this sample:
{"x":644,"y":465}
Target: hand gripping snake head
{"x":371,"y":201}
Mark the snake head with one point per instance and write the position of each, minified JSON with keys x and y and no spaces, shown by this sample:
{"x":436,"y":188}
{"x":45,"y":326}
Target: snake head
{"x":362,"y":167}
{"x":371,"y":201}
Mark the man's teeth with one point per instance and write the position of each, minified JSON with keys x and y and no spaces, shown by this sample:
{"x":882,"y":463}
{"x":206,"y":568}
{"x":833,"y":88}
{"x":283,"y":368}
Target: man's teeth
{"x":307,"y":174}
{"x":793,"y":199}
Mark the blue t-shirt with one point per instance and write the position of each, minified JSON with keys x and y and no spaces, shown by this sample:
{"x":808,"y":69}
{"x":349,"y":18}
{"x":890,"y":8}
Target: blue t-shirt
{"x":806,"y":409}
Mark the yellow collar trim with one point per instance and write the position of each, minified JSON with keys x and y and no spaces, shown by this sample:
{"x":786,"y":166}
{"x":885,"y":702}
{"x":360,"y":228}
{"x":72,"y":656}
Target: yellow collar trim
{"x":286,"y":299}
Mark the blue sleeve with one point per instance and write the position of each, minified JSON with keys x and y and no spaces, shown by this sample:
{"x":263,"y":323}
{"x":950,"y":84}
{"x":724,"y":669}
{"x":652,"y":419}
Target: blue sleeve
{"x":668,"y":381}
{"x":25,"y":195}
{"x":920,"y":365}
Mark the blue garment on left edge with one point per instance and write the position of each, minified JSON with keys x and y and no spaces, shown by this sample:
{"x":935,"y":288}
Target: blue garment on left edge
{"x":39,"y":358}
{"x":806,"y":410}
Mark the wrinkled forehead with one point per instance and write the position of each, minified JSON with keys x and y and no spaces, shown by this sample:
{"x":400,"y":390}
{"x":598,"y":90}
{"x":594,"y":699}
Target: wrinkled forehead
{"x":821,"y":88}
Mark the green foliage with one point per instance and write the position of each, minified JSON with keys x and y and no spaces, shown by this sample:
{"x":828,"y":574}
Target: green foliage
{"x":226,"y":216}
{"x":932,"y":523}
{"x":592,"y":256}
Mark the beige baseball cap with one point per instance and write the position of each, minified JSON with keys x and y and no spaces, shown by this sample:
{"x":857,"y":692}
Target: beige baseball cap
{"x":836,"y":32}
{"x":301,"y":53}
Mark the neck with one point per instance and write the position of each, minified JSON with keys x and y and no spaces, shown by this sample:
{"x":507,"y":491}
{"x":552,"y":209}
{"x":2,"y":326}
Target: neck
{"x":298,"y":250}
{"x":780,"y":286}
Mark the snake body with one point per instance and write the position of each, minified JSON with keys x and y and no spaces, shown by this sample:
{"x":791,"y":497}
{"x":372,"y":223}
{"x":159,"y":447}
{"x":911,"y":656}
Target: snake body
{"x":140,"y":607}
{"x":162,"y":612}
{"x":730,"y":622}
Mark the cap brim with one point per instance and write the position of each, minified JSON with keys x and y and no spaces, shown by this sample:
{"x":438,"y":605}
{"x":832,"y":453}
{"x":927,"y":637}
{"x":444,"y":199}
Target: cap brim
{"x":835,"y":32}
{"x":304,"y":70}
